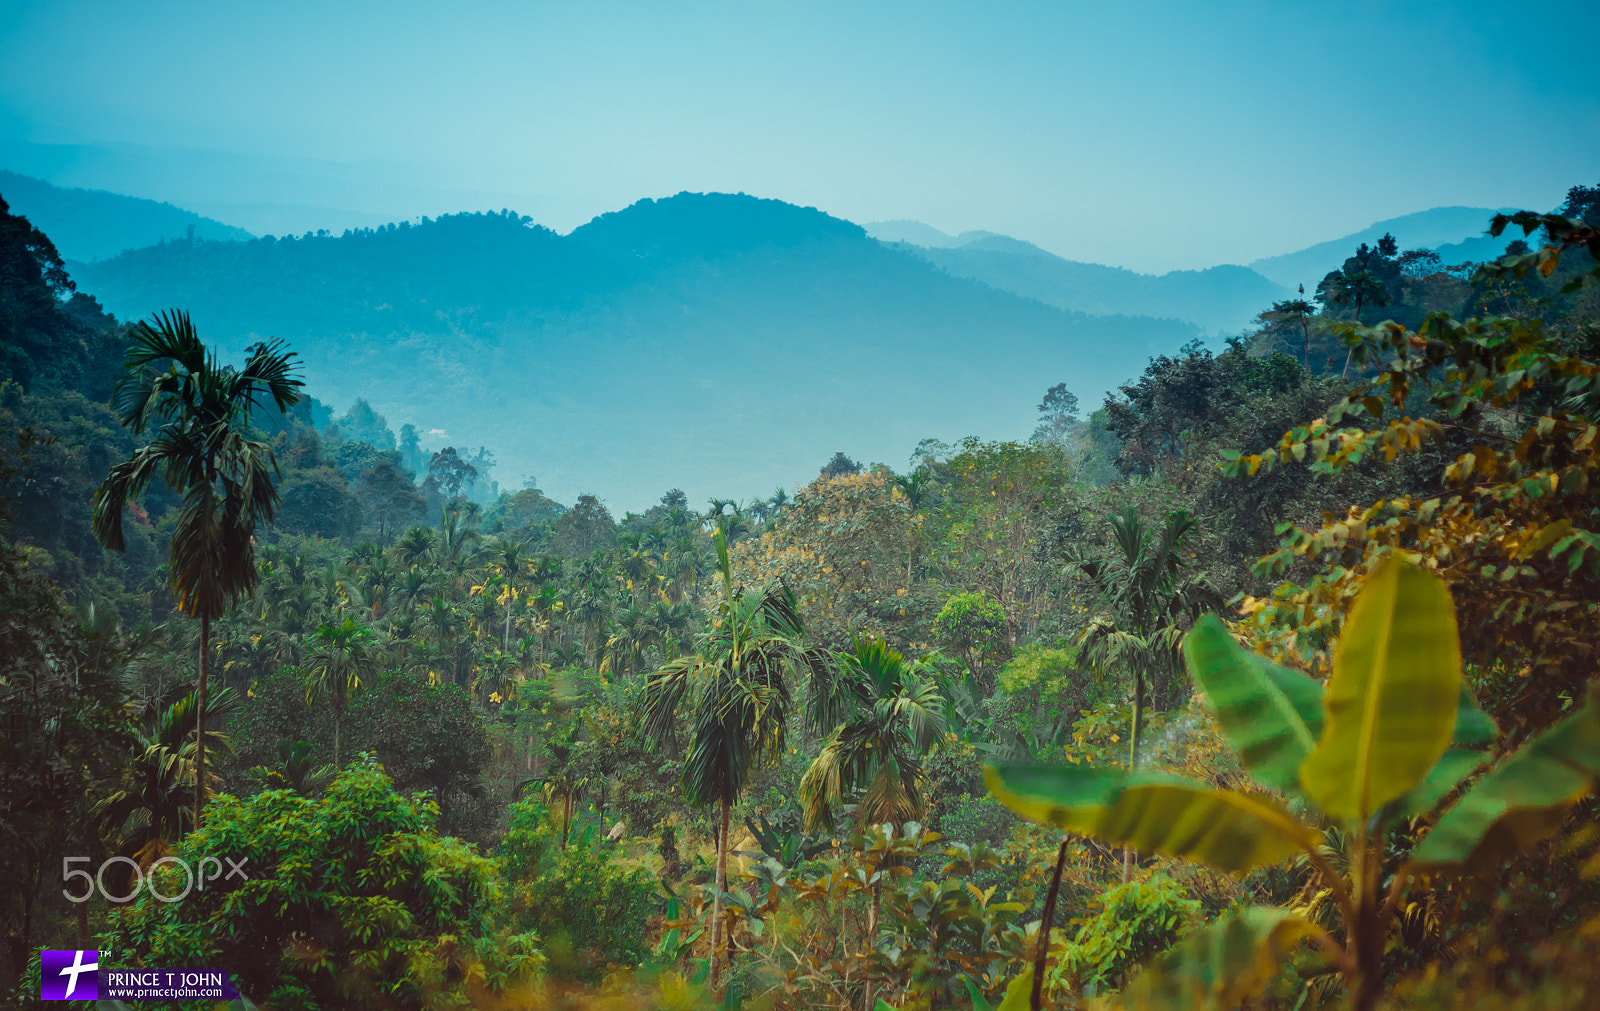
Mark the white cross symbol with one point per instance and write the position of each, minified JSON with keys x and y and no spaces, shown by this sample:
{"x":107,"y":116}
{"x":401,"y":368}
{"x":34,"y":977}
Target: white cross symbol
{"x":76,"y":967}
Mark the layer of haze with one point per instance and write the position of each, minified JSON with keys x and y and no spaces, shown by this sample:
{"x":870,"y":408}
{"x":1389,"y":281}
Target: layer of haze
{"x":1152,"y":136}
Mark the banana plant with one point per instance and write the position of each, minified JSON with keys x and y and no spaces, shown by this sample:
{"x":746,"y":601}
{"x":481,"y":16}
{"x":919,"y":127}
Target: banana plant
{"x":1392,"y":736}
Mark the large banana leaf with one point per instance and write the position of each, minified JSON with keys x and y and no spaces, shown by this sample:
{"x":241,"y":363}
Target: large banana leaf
{"x":1453,"y":767}
{"x":1304,"y":693}
{"x":1393,"y":695}
{"x":1228,"y":830}
{"x":1066,"y":796}
{"x":1474,"y":727}
{"x":1222,"y":965}
{"x":1153,"y":812}
{"x":1522,"y":801}
{"x":1255,"y":714}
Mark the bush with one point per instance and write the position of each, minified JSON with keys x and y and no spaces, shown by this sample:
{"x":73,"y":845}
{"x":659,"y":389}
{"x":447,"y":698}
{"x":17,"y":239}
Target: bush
{"x":353,"y":901}
{"x":593,"y":911}
{"x":1134,"y":922}
{"x":974,"y":627}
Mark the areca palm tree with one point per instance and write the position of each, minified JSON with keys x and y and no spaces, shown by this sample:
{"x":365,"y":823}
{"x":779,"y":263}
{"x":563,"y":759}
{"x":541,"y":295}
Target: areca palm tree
{"x":155,"y":804}
{"x":736,"y":686}
{"x":1150,"y":597}
{"x":881,"y":717}
{"x":336,"y":668}
{"x":511,"y":558}
{"x":884,"y":717}
{"x":202,"y":448}
{"x":412,"y":548}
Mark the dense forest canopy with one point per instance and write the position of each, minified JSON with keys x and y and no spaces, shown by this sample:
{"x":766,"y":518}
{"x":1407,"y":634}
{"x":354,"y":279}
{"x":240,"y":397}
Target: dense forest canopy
{"x":1267,"y":681}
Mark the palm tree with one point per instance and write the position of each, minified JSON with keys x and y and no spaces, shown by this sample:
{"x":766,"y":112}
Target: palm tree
{"x":414,"y":546}
{"x":511,"y":558}
{"x":884,"y":718}
{"x":881,"y":716}
{"x":295,"y":771}
{"x":736,"y":685}
{"x":155,"y":804}
{"x":202,"y":449}
{"x":1300,"y":309}
{"x":1151,"y":595}
{"x":635,"y":633}
{"x":337,"y":665}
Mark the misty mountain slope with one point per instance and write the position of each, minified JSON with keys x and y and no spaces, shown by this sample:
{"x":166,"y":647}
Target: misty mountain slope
{"x":919,"y":234}
{"x":1428,"y":229}
{"x":94,"y":224}
{"x":723,"y":344}
{"x":1219,"y":299}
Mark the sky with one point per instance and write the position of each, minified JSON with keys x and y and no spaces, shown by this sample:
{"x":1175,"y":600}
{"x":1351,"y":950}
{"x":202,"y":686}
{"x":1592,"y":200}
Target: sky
{"x":1154,"y":136}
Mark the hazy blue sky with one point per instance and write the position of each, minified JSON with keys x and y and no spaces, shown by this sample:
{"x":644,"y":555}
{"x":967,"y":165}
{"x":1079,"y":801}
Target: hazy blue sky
{"x":1150,"y":135}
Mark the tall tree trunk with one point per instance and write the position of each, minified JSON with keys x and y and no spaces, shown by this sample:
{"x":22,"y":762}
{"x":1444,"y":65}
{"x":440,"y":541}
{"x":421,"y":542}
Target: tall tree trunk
{"x":1043,"y":951}
{"x":1305,"y":344}
{"x":1352,"y":351}
{"x":336,"y":722}
{"x":566,"y":818}
{"x":200,"y":720}
{"x":507,"y":647}
{"x":716,"y":901}
{"x":1133,"y":758}
{"x":871,"y":945}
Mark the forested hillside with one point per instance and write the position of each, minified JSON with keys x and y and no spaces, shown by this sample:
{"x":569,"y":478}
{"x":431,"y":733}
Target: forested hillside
{"x":1266,"y":680}
{"x":96,"y":225}
{"x":507,"y":334}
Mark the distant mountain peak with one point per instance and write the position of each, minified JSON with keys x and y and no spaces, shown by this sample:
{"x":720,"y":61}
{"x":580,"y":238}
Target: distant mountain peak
{"x":1430,"y":229}
{"x":708,"y":225}
{"x":918,"y":234}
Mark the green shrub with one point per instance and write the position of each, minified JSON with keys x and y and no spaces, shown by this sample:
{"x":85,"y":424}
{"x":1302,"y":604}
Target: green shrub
{"x":593,"y":911}
{"x":353,"y":900}
{"x":1133,"y":922}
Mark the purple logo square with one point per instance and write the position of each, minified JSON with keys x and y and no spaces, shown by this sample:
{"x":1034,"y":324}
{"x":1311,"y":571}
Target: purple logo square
{"x":69,"y":975}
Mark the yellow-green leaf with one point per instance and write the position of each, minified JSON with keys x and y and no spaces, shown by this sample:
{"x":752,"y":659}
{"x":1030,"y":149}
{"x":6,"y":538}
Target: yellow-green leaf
{"x":1228,"y":830}
{"x":1254,"y":714}
{"x":1522,"y":801}
{"x":1066,"y":796}
{"x":1019,"y":992}
{"x":1392,"y":698}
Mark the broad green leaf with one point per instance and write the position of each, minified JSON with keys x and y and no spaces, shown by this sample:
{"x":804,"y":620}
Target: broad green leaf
{"x":1066,"y":796}
{"x":1230,"y":831}
{"x":1453,"y":767}
{"x":1392,"y":698}
{"x":1223,"y":965}
{"x":882,"y":1005}
{"x":1304,"y":693}
{"x":1522,"y":801}
{"x":1474,"y":727}
{"x":1253,"y":713}
{"x":1019,"y":992}
{"x":979,"y":1002}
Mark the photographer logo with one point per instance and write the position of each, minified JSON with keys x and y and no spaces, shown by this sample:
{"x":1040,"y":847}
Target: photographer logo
{"x":69,"y":975}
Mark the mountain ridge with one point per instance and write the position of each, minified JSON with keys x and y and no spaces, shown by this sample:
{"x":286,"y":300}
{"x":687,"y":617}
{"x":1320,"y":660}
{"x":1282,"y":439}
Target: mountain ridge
{"x":1429,"y":229}
{"x":755,"y":338}
{"x":1221,"y":300}
{"x":89,"y":224}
